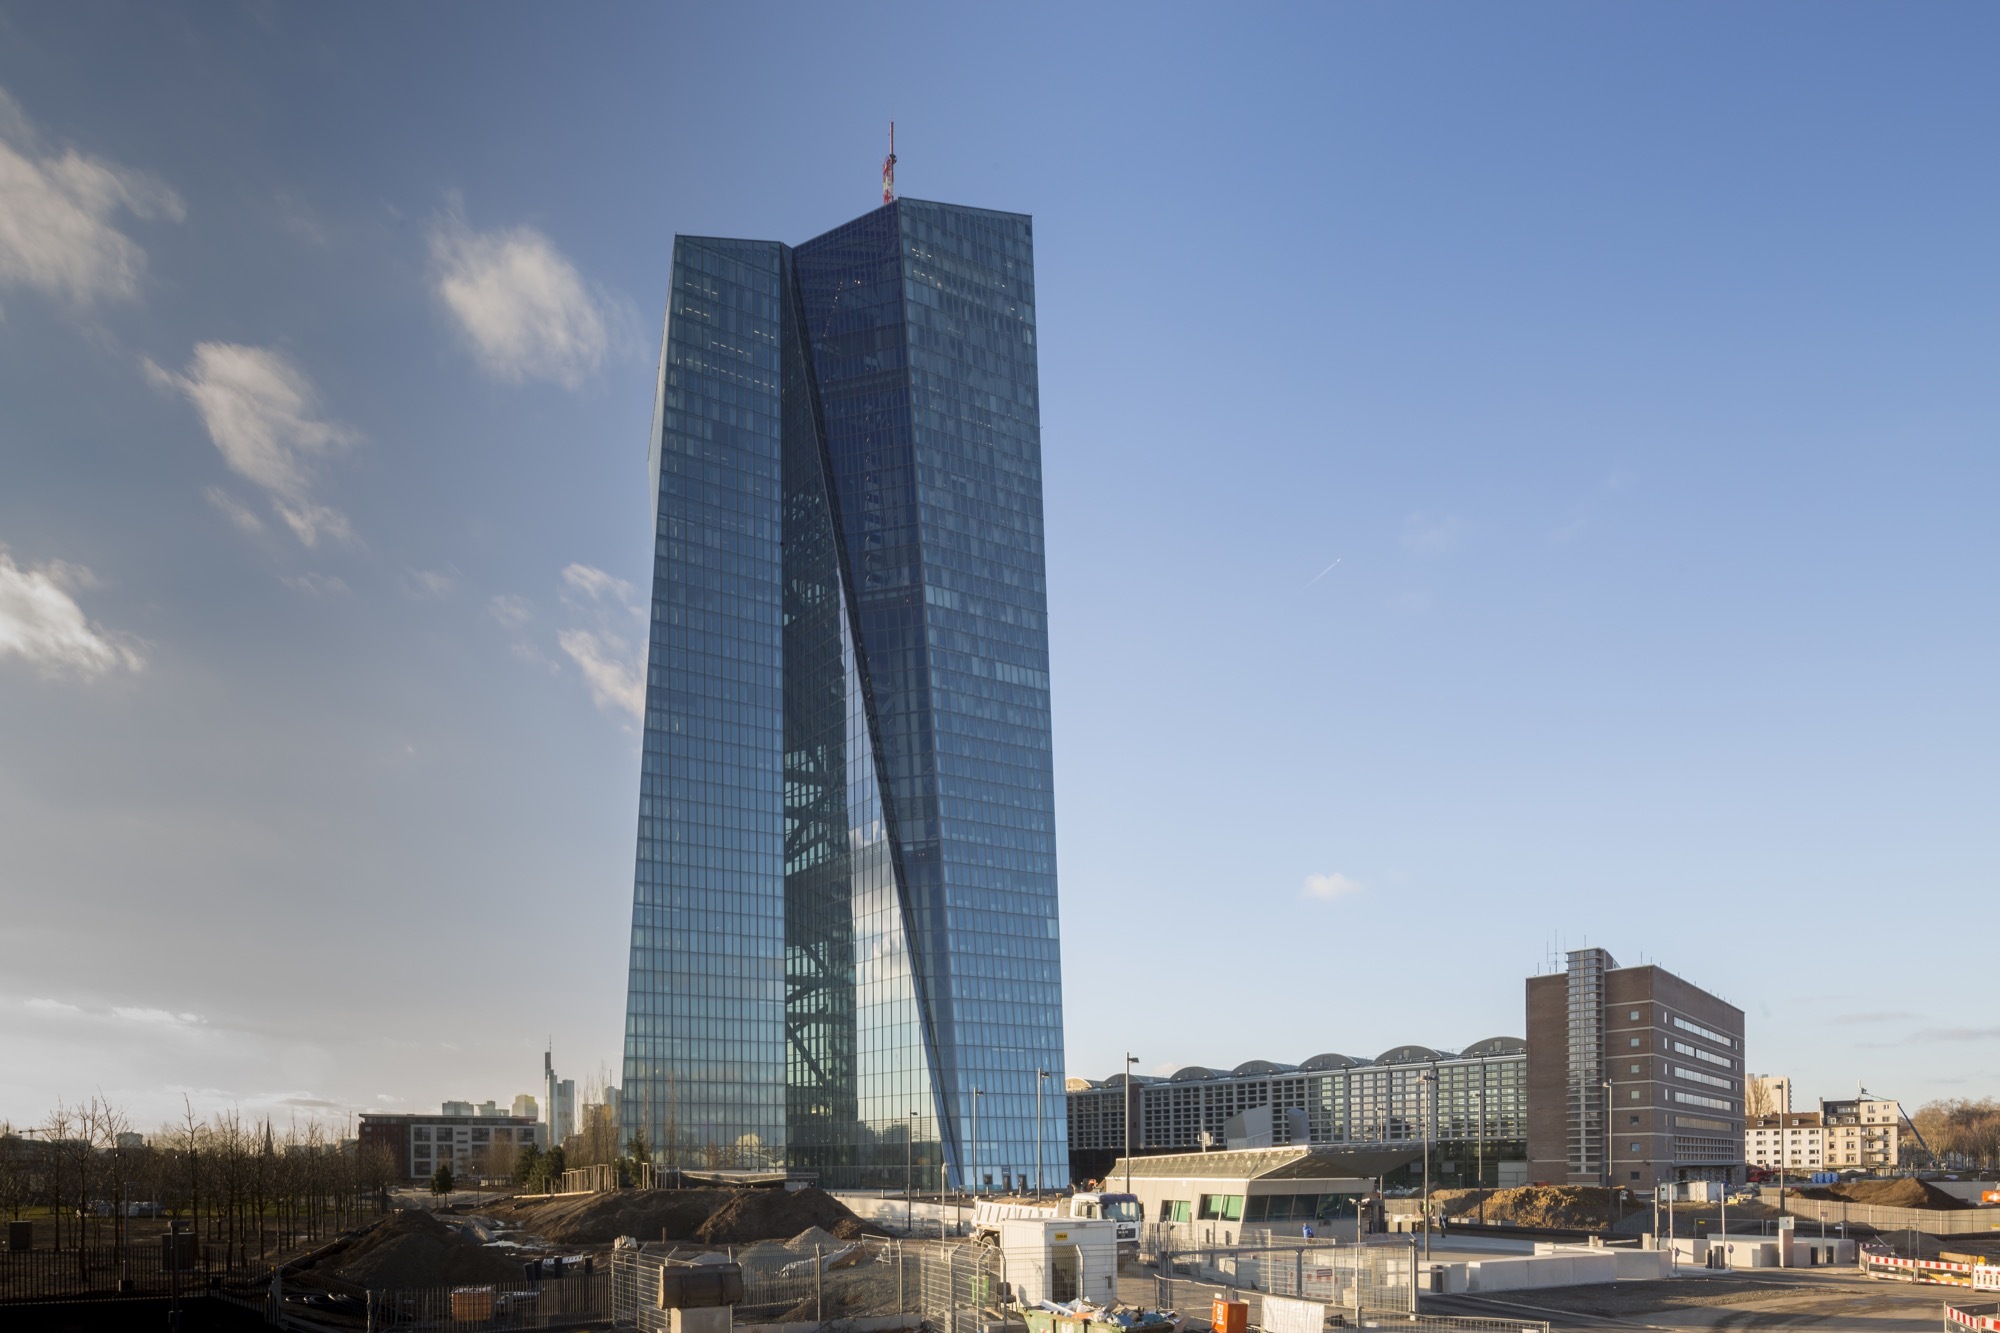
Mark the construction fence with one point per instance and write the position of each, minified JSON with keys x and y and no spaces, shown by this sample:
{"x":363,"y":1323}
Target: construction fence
{"x":1375,"y":1277}
{"x":1932,"y":1221}
{"x":964,"y":1288}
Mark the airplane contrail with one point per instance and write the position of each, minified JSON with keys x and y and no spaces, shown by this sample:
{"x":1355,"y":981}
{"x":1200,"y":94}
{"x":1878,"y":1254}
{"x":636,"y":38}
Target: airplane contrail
{"x":1322,"y":574}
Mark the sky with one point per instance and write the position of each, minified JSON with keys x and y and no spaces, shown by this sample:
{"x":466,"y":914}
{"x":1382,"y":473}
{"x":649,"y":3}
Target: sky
{"x":1517,"y":477}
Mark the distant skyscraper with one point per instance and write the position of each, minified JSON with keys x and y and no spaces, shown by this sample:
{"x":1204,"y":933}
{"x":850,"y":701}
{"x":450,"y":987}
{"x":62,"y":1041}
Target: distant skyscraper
{"x":844,"y":930}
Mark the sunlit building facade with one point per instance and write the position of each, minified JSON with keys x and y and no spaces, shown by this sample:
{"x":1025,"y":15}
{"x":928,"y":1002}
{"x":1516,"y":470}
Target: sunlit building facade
{"x":845,"y":959}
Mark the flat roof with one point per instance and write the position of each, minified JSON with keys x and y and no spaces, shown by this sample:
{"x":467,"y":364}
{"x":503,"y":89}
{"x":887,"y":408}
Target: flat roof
{"x":1293,"y":1163}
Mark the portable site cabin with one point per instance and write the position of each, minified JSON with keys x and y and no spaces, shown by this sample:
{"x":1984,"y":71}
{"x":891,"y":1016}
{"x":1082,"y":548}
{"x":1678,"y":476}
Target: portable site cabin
{"x":1060,"y":1259}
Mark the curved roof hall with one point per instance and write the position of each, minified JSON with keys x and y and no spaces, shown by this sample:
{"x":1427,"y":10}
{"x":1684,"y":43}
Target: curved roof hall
{"x":1330,"y":1060}
{"x":1495,"y":1046}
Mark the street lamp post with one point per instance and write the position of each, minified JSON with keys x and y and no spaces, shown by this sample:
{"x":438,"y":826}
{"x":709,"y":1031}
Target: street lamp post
{"x":1427,"y":1111}
{"x":910,"y":1175}
{"x":977,"y":1093}
{"x":1041,"y":1076}
{"x":1609,"y":1225}
{"x":1130,"y":1060}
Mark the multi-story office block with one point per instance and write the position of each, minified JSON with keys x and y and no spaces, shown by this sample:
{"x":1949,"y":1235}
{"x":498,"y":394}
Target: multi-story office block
{"x":1634,"y":1077}
{"x":1475,"y":1103}
{"x":844,"y":933}
{"x":474,"y":1141}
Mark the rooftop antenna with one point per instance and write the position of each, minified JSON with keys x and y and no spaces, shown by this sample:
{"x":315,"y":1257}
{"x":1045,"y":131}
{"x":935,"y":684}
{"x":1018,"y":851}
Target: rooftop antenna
{"x":889,"y":168}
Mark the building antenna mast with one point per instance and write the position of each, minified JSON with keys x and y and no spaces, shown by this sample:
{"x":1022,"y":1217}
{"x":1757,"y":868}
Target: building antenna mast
{"x":889,"y":168}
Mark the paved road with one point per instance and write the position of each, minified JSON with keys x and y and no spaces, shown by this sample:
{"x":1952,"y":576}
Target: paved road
{"x":1829,"y":1301}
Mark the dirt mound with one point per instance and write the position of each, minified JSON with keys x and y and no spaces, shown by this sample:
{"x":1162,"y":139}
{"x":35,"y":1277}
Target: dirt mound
{"x":709,"y":1216}
{"x":1559,"y":1207}
{"x":1886,"y":1194}
{"x":415,"y":1249}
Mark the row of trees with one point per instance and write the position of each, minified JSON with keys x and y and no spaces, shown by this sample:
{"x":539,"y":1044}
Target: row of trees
{"x":1961,"y":1131}
{"x":245,"y":1185}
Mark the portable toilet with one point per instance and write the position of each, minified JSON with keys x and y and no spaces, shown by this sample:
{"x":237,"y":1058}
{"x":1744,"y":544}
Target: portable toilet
{"x":1061,"y":1259}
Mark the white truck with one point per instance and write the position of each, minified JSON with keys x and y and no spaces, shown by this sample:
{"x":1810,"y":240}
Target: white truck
{"x":1123,"y":1209}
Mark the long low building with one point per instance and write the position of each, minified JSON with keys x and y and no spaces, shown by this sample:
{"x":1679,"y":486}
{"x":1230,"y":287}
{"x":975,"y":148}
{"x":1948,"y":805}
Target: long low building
{"x":1210,"y":1198}
{"x":1476,"y":1101}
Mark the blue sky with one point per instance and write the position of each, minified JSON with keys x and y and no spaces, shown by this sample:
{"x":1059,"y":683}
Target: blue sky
{"x":1517,"y":476}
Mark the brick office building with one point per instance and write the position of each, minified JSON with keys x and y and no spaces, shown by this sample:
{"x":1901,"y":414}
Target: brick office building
{"x":1635,"y":1077}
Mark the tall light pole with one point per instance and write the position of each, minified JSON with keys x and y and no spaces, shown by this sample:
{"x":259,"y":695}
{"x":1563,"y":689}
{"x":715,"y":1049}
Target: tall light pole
{"x":977,"y":1093}
{"x":1426,"y":1111}
{"x":1608,"y":1187}
{"x":910,"y":1174}
{"x":1041,"y":1076}
{"x":1130,"y":1060}
{"x":1482,"y":1143}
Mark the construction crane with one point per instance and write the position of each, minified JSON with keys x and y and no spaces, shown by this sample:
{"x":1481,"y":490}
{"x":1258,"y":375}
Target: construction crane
{"x":889,"y":168}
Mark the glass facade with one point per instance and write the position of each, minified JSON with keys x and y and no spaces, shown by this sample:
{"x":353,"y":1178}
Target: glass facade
{"x":845,"y":956}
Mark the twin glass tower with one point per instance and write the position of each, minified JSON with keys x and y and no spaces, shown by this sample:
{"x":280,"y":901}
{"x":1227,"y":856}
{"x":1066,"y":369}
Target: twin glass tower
{"x":845,"y":958}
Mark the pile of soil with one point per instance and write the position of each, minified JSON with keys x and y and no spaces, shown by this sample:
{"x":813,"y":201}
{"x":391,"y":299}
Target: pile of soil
{"x":1904,"y":1193}
{"x":415,"y":1249}
{"x":1560,"y":1207}
{"x":706,"y":1216}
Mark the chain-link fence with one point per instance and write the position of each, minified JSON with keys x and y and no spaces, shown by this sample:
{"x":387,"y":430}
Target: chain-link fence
{"x":799,"y":1284}
{"x":1374,"y":1277}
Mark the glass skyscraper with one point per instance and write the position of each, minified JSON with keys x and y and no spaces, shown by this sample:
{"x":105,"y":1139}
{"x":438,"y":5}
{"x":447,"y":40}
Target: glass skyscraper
{"x":845,"y":955}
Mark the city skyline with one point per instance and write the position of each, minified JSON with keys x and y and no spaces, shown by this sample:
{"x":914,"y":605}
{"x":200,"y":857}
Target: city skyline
{"x":1509,"y":477}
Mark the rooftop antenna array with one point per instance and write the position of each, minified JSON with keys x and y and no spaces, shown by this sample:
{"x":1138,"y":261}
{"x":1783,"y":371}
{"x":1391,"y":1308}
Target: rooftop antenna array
{"x":889,"y":168}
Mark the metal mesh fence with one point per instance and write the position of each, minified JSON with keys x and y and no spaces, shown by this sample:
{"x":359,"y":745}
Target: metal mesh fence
{"x":1374,"y":1277}
{"x":563,"y":1302}
{"x":790,"y":1285}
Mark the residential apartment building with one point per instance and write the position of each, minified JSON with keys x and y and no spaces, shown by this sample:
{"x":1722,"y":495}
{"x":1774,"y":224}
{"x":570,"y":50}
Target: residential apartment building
{"x":1863,"y":1133}
{"x":1852,"y":1134}
{"x":1635,"y":1077}
{"x":1475,"y":1101}
{"x":1793,"y":1141}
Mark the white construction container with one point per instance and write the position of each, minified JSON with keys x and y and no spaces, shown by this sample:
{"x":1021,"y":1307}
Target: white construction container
{"x":1060,"y":1259}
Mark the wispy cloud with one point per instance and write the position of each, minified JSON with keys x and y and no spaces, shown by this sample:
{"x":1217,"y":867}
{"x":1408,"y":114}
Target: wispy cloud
{"x":56,"y":227}
{"x":315,"y":584}
{"x":1329,"y":886}
{"x":595,"y":584}
{"x":429,"y":583}
{"x":1878,"y":1016}
{"x":526,"y":311}
{"x":157,"y":1018}
{"x":263,"y":414}
{"x":1957,"y":1034}
{"x":612,"y":666}
{"x":512,"y":612}
{"x":42,"y":623}
{"x":1432,"y":534}
{"x":609,"y":668}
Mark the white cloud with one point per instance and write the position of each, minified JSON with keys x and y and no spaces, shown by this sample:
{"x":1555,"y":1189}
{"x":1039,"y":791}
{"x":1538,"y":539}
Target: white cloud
{"x":1331,"y":885}
{"x":157,"y":1018}
{"x":613,"y":668}
{"x":263,"y":414}
{"x":41,"y":622}
{"x":316,"y":584}
{"x":56,"y":233}
{"x":594,"y":583}
{"x":527,"y":311}
{"x":436,"y":583}
{"x":1432,"y":534}
{"x":46,"y":1006}
{"x":513,"y":612}
{"x":235,"y":511}
{"x":610,"y":667}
